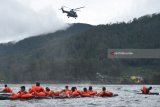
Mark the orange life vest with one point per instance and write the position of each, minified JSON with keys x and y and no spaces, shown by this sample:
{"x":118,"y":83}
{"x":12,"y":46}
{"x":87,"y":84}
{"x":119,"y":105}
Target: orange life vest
{"x":144,"y":90}
{"x":7,"y":90}
{"x":92,"y":92}
{"x":39,"y":89}
{"x":36,"y":89}
{"x":57,"y":93}
{"x":14,"y":96}
{"x":108,"y":93}
{"x":41,"y":94}
{"x":85,"y":94}
{"x":65,"y":91}
{"x":32,"y":89}
{"x":105,"y":93}
{"x":24,"y":94}
{"x":18,"y":95}
{"x":49,"y":93}
{"x":28,"y":95}
{"x":74,"y":93}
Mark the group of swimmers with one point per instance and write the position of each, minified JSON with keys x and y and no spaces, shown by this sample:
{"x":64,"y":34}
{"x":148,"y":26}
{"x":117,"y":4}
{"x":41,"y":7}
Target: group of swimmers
{"x":38,"y":90}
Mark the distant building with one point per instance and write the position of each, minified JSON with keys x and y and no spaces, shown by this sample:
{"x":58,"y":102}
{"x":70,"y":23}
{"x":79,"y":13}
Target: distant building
{"x":137,"y":79}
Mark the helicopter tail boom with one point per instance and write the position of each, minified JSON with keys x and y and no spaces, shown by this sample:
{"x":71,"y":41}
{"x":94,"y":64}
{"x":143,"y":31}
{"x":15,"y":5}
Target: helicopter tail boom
{"x":64,"y":11}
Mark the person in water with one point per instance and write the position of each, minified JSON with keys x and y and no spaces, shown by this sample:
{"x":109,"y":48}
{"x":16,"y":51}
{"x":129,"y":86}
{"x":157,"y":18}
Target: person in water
{"x":49,"y":92}
{"x":85,"y":93}
{"x":78,"y":91}
{"x":91,"y":91}
{"x":37,"y":90}
{"x":104,"y":92}
{"x":146,"y":90}
{"x":74,"y":92}
{"x":66,"y":91}
{"x":22,"y":93}
{"x":7,"y":89}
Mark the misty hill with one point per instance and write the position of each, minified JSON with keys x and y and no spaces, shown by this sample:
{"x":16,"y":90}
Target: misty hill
{"x":79,"y":54}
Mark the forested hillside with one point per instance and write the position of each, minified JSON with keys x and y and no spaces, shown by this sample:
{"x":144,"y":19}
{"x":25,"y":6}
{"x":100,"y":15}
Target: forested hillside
{"x":79,"y":54}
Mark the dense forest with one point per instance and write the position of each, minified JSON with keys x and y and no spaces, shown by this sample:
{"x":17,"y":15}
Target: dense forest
{"x":79,"y":54}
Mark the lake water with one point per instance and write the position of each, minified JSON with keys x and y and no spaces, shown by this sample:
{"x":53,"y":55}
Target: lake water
{"x":127,"y":97}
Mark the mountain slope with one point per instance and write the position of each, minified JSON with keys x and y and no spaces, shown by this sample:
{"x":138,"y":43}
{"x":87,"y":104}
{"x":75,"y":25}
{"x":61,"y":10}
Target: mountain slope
{"x":79,"y":54}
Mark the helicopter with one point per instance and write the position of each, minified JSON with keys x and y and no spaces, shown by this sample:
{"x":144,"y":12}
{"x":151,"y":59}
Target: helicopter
{"x":72,"y":12}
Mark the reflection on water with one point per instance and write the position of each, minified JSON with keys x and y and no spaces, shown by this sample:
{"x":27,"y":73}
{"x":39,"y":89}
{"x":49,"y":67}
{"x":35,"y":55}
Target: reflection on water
{"x":127,"y":98}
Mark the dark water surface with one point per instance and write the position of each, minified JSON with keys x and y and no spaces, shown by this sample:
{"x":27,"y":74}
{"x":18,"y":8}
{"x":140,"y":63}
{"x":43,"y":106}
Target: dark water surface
{"x":127,"y":98}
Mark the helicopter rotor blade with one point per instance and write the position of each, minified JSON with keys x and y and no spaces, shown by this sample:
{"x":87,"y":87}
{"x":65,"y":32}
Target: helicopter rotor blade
{"x":61,"y":8}
{"x":78,"y":8}
{"x":66,"y":7}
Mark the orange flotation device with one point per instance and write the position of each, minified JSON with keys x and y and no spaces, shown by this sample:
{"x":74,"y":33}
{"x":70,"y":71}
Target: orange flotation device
{"x":39,"y":89}
{"x":144,"y":90}
{"x":40,"y":94}
{"x":35,"y":88}
{"x":14,"y":96}
{"x":94,"y":92}
{"x":57,"y":93}
{"x":65,"y":92}
{"x":108,"y":93}
{"x":26,"y":96}
{"x":105,"y":93}
{"x":32,"y":89}
{"x":50,"y":93}
{"x":7,"y":89}
{"x":79,"y":91}
{"x":75,"y":93}
{"x":85,"y":94}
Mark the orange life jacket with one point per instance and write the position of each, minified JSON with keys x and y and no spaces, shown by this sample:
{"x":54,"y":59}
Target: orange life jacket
{"x":24,"y":94}
{"x":39,"y":89}
{"x":144,"y":90}
{"x":7,"y":90}
{"x":14,"y":96}
{"x":74,"y":93}
{"x":57,"y":93}
{"x":17,"y":95}
{"x":49,"y":93}
{"x":79,"y":91}
{"x":108,"y":93}
{"x":85,"y":94}
{"x":104,"y":93}
{"x":41,"y":94}
{"x":28,"y":95}
{"x":65,"y":91}
{"x":35,"y":89}
{"x":32,"y":89}
{"x":92,"y":92}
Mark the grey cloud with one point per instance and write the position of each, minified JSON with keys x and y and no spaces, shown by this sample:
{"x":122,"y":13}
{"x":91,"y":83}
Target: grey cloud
{"x":18,"y":21}
{"x":22,"y":18}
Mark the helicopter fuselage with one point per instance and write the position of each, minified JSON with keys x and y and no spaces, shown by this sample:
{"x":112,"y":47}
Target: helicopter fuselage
{"x":70,"y":13}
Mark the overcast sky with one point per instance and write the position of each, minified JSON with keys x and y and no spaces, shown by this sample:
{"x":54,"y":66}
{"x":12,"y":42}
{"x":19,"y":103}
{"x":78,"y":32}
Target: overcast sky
{"x":23,"y":18}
